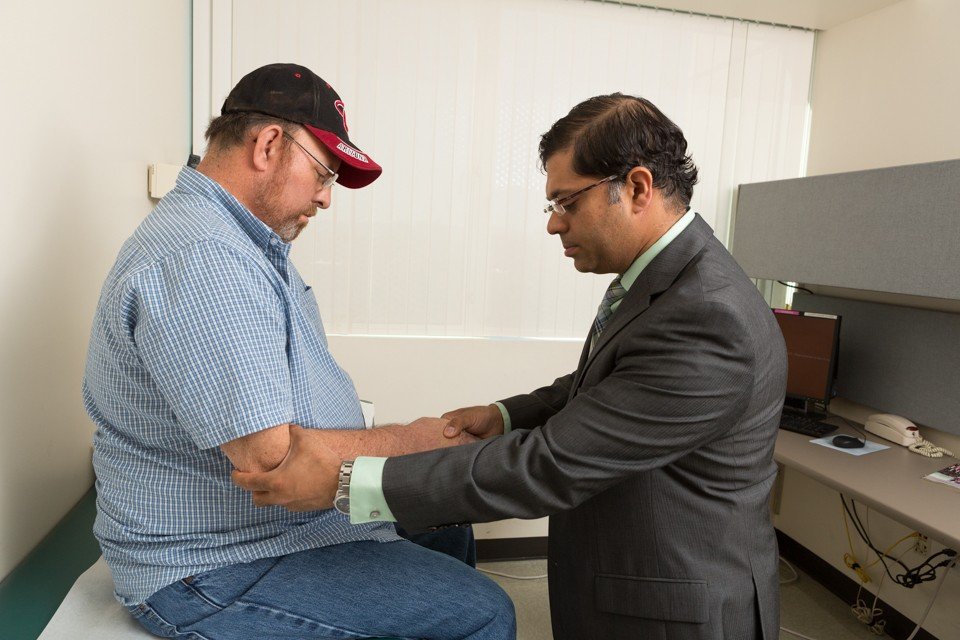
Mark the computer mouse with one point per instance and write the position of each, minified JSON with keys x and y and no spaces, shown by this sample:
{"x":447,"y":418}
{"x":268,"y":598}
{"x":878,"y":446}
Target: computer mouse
{"x":847,"y":442}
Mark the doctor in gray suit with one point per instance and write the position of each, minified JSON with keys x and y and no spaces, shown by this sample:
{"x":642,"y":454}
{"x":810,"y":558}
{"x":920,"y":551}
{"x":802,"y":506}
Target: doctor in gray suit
{"x":654,"y":458}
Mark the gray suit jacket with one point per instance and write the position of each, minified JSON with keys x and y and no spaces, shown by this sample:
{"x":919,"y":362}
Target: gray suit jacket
{"x":654,"y":460}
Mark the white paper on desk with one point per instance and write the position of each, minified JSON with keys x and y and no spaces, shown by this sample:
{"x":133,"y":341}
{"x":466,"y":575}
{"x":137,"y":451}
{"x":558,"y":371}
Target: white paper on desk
{"x":869,"y":447}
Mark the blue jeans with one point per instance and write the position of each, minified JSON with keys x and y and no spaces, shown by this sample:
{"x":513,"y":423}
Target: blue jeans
{"x":352,"y":590}
{"x":457,"y":542}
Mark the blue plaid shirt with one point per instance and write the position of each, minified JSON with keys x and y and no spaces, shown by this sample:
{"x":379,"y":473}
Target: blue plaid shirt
{"x":204,"y":333}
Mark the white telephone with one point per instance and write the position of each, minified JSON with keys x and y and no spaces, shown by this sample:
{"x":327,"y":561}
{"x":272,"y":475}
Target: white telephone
{"x":893,"y":428}
{"x":900,"y":430}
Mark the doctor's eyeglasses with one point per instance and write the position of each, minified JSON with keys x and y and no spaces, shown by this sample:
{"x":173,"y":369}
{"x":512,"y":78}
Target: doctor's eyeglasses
{"x":557,"y":205}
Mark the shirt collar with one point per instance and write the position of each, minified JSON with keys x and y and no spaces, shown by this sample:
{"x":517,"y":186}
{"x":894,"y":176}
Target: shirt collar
{"x":633,"y":271}
{"x":193,"y":182}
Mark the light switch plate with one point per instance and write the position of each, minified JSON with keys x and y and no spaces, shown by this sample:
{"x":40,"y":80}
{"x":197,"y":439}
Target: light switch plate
{"x":161,"y":178}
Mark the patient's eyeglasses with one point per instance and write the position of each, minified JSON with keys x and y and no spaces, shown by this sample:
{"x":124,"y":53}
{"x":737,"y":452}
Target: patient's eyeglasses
{"x":327,"y":179}
{"x":558,"y":205}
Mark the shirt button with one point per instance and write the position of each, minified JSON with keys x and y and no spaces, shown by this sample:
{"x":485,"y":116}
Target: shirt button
{"x":374,"y":514}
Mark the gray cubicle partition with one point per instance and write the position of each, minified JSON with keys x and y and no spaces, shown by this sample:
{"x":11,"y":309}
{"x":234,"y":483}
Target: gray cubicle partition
{"x":894,"y":230}
{"x":897,"y":359}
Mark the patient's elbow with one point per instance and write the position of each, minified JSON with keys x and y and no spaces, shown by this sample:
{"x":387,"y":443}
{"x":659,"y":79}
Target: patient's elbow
{"x":260,"y":451}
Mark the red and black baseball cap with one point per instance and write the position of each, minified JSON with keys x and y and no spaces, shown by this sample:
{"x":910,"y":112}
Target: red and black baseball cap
{"x":293,"y":92}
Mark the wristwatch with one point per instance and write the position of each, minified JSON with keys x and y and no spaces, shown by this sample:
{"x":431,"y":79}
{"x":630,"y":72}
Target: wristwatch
{"x":342,"y":500}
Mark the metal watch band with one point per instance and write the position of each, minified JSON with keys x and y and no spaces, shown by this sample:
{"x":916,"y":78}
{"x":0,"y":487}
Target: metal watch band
{"x":342,"y":500}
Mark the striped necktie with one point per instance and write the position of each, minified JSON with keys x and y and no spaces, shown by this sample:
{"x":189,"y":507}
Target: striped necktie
{"x":613,"y":295}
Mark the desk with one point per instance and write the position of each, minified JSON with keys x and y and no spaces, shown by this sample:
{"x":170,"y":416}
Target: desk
{"x":890,"y":481}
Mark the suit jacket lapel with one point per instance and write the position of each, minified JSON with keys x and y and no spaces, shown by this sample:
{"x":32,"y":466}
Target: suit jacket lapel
{"x":654,"y":279}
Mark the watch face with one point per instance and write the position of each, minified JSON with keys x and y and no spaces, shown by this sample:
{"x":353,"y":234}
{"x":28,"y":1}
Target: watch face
{"x":342,"y":504}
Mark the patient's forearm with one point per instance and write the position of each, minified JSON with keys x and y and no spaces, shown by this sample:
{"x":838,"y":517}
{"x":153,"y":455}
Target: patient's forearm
{"x":390,"y":440}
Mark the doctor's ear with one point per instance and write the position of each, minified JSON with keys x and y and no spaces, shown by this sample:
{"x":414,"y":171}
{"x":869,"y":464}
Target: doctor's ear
{"x":639,"y":187}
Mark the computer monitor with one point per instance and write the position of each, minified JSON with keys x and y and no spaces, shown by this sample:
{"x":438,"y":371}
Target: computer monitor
{"x":813,"y":344}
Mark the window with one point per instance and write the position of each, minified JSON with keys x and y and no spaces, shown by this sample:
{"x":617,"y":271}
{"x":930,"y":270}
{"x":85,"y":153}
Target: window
{"x":451,"y":98}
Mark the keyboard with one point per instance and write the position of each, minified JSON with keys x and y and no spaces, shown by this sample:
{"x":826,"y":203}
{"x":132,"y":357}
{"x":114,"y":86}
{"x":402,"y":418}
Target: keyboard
{"x":808,"y":426}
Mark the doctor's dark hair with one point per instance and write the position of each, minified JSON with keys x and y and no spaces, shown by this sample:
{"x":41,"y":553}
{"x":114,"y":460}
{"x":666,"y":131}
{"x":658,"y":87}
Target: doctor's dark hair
{"x":612,"y":134}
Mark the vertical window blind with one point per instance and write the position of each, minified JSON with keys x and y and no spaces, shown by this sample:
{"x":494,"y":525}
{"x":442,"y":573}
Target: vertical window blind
{"x":451,"y":99}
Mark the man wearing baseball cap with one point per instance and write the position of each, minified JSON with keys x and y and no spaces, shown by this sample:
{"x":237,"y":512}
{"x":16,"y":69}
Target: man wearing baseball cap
{"x":206,"y":347}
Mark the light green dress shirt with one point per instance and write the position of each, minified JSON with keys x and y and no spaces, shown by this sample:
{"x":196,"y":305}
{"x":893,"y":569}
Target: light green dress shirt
{"x":367,"y":502}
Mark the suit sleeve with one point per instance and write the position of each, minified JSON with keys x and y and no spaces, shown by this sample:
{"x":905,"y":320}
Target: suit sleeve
{"x":668,"y":394}
{"x":534,"y":409}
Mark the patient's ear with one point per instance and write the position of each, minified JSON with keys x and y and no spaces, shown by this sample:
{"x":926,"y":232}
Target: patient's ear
{"x":267,"y":148}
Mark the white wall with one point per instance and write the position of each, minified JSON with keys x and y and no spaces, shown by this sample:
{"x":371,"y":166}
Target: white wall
{"x":409,"y":377}
{"x":885,"y":93}
{"x":93,"y":92}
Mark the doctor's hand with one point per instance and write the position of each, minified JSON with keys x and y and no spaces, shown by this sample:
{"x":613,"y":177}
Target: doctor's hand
{"x":306,"y":479}
{"x":481,"y":421}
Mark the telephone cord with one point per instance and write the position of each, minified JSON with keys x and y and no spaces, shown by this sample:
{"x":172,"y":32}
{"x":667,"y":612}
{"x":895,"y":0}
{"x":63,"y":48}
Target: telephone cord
{"x":928,"y":449}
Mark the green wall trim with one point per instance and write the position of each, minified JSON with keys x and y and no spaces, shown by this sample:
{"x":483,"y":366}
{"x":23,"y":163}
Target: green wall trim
{"x":30,"y":595}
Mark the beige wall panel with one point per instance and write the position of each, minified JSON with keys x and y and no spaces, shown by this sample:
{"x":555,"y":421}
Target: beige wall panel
{"x":886,"y":89}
